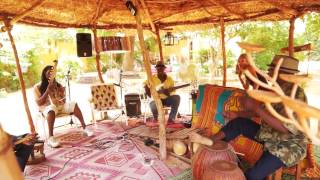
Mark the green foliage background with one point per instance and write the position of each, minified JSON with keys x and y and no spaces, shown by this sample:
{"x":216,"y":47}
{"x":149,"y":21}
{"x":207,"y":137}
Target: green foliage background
{"x":44,"y":41}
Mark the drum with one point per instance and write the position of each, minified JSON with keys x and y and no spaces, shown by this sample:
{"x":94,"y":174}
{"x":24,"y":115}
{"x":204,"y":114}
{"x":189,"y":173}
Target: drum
{"x":206,"y":155}
{"x":223,"y":170}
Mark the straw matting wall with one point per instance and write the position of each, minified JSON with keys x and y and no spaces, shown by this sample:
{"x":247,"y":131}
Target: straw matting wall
{"x":113,"y":14}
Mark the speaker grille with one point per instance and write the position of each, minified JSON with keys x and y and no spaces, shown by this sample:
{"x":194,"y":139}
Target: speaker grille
{"x":84,"y":45}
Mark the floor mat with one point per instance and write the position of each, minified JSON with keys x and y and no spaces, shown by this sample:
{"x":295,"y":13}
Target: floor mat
{"x":106,"y":155}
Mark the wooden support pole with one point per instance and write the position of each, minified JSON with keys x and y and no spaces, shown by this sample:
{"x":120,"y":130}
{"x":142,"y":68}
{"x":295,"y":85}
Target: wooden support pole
{"x":22,"y":85}
{"x":281,"y":7}
{"x":159,"y":43}
{"x":223,"y":51}
{"x":26,"y":12}
{"x":154,"y":93}
{"x":225,"y":7}
{"x":9,"y":167}
{"x":146,"y":10}
{"x":95,"y":38}
{"x":291,"y":37}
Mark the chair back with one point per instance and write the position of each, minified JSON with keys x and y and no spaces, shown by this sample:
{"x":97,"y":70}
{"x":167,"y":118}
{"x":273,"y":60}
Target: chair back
{"x":104,"y":97}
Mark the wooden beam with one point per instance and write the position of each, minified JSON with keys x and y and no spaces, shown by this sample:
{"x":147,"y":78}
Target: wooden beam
{"x":223,"y":51}
{"x":291,"y":37}
{"x":146,"y":10}
{"x":283,"y":8}
{"x":26,"y":12}
{"x":22,"y":85}
{"x":225,"y":7}
{"x":154,"y":93}
{"x":95,"y":37}
{"x":96,"y":14}
{"x":159,"y":43}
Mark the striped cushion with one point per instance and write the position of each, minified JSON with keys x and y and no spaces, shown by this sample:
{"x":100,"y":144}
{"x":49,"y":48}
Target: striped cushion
{"x":212,"y":101}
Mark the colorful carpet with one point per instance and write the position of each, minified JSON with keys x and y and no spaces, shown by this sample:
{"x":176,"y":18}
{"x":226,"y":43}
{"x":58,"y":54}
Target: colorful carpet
{"x":109,"y":154}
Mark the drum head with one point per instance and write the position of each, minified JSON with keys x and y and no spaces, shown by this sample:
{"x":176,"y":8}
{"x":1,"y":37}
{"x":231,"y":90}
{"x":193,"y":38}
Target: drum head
{"x":223,"y":166}
{"x":219,"y":145}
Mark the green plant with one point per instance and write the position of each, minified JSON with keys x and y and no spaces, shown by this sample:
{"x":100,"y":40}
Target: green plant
{"x":203,"y":55}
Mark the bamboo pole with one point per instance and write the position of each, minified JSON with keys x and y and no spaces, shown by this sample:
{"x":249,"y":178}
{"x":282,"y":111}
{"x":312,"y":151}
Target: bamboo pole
{"x":291,"y":37}
{"x":95,"y":38}
{"x":22,"y":85}
{"x":154,"y":93}
{"x":159,"y":43}
{"x":9,"y":167}
{"x":223,"y":51}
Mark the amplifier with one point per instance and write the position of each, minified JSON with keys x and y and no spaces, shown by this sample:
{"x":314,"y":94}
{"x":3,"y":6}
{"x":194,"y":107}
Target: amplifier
{"x":133,"y":104}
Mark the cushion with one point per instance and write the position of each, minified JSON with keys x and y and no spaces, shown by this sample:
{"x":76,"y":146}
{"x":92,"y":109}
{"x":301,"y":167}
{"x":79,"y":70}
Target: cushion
{"x":212,"y":101}
{"x":103,"y":97}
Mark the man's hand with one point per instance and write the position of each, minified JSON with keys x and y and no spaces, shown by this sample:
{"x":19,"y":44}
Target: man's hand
{"x":147,"y":90}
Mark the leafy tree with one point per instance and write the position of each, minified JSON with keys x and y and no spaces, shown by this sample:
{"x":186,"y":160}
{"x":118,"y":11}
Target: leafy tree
{"x":312,"y":34}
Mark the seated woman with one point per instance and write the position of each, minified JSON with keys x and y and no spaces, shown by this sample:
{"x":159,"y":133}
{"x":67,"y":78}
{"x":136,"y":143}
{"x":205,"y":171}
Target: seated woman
{"x":50,"y":97}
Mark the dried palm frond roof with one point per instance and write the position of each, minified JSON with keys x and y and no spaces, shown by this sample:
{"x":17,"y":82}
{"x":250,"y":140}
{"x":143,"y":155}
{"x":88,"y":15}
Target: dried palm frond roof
{"x":113,"y":14}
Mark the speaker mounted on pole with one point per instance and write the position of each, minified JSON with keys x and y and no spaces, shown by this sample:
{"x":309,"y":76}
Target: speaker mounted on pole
{"x":84,"y":45}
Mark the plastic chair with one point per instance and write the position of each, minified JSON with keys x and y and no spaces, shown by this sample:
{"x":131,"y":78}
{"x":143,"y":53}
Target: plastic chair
{"x":41,"y":117}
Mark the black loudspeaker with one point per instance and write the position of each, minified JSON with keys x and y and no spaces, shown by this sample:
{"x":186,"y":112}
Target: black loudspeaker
{"x":84,"y":45}
{"x":133,"y":104}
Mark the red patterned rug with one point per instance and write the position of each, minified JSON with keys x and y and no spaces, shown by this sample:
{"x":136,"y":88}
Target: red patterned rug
{"x":109,"y":154}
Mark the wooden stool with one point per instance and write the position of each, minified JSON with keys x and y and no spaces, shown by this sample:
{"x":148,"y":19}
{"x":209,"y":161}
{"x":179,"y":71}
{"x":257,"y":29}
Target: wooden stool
{"x":278,"y":173}
{"x":37,"y":155}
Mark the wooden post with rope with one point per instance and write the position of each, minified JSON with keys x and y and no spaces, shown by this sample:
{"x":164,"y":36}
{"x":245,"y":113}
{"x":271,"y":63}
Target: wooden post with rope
{"x":291,"y":36}
{"x":223,"y":51}
{"x":159,"y":43}
{"x":22,"y":85}
{"x":94,"y":30}
{"x":155,"y":95}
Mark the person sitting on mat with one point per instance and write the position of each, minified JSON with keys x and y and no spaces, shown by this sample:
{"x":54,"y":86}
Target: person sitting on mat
{"x":163,"y":83}
{"x":284,"y":144}
{"x":50,"y":97}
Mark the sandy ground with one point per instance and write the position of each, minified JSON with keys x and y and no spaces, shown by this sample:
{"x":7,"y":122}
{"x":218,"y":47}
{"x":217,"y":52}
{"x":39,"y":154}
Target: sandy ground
{"x":14,"y":119}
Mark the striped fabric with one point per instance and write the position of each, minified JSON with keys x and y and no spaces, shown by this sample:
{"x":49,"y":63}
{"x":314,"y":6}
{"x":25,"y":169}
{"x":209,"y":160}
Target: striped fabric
{"x":212,"y":101}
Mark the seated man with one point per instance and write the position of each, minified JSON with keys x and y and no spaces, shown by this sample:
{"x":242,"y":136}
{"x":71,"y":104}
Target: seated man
{"x":163,"y":83}
{"x":284,"y":145}
{"x":50,"y":97}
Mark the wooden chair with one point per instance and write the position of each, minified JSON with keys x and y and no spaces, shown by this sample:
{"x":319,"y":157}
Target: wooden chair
{"x":103,"y":98}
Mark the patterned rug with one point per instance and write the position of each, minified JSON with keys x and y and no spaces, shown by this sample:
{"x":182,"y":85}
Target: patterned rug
{"x":109,"y":154}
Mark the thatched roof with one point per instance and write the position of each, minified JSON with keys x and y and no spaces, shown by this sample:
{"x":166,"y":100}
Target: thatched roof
{"x":111,"y":14}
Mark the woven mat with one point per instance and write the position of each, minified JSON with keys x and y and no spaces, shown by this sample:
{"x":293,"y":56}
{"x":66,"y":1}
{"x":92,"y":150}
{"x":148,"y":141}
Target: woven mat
{"x":153,"y":133}
{"x":184,"y":175}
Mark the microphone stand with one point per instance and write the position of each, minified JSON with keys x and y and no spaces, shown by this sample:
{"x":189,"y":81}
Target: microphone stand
{"x":69,"y":94}
{"x":120,"y":83}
